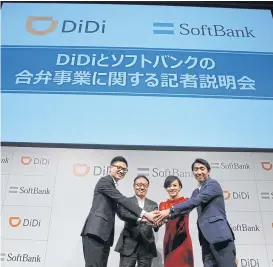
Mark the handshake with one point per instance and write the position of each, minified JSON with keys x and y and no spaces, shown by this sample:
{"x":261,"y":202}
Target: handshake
{"x":155,"y":218}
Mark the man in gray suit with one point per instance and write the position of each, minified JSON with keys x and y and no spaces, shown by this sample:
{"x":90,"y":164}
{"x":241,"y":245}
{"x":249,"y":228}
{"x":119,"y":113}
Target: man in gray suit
{"x":136,"y":243}
{"x":98,"y":230}
{"x":215,"y":234}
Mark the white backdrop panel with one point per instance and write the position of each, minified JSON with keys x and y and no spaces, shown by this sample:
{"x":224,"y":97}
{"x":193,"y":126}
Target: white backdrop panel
{"x":47,"y":194}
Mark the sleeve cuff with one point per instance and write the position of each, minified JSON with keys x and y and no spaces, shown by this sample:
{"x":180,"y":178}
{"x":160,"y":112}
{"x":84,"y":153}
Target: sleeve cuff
{"x":142,"y":213}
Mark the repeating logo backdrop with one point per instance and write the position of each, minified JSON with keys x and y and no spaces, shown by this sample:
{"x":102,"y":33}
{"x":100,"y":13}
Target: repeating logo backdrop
{"x":46,"y":194}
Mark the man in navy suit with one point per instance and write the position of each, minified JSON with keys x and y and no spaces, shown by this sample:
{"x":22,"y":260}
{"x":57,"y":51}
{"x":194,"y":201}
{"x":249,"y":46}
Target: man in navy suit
{"x":215,"y":234}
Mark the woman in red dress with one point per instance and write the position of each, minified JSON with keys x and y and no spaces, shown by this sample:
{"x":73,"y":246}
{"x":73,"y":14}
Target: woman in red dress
{"x":177,"y":243}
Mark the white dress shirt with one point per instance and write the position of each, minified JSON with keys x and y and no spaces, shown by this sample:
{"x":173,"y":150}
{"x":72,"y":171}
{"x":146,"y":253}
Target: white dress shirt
{"x":141,"y":205}
{"x":115,"y":182}
{"x":143,"y":211}
{"x":140,"y":201}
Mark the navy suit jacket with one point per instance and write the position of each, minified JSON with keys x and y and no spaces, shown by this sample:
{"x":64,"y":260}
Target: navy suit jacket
{"x":212,"y":220}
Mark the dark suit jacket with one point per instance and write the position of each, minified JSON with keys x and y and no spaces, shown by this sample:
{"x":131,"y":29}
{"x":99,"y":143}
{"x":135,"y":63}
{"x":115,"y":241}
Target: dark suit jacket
{"x":101,"y":218}
{"x":133,"y":232}
{"x":212,"y":220}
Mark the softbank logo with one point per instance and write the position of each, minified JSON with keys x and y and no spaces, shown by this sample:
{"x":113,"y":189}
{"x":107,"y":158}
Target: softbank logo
{"x":81,"y":170}
{"x":266,"y":165}
{"x":231,"y":166}
{"x":163,"y":28}
{"x":67,"y":26}
{"x":14,"y":257}
{"x":5,"y":160}
{"x":209,"y":30}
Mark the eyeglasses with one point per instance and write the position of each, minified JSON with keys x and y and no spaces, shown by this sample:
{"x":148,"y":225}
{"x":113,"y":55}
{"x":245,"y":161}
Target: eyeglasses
{"x":125,"y":170}
{"x":140,"y":185}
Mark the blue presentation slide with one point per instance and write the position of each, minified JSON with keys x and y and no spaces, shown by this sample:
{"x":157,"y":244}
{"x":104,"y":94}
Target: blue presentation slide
{"x":137,"y":75}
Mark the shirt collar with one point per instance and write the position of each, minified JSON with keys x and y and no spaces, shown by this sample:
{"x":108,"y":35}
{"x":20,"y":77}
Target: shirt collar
{"x":140,"y":199}
{"x":200,"y":185}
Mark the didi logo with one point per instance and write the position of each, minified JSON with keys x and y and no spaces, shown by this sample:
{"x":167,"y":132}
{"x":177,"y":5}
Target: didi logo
{"x":26,"y":160}
{"x":14,"y":221}
{"x":30,"y":27}
{"x":266,"y":165}
{"x":81,"y":170}
{"x":227,"y":195}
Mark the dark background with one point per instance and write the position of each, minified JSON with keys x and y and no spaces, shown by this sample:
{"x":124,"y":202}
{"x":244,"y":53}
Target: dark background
{"x":222,"y":4}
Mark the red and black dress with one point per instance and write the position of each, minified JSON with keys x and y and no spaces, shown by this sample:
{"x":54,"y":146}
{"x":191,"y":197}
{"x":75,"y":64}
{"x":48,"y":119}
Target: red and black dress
{"x":177,"y":243}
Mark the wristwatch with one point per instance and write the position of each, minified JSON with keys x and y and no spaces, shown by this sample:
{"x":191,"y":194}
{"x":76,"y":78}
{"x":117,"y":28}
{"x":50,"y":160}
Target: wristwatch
{"x":171,"y":213}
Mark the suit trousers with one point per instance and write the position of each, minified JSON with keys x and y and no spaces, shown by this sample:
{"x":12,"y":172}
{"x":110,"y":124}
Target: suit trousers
{"x":138,"y":256}
{"x":95,"y":251}
{"x":222,"y":254}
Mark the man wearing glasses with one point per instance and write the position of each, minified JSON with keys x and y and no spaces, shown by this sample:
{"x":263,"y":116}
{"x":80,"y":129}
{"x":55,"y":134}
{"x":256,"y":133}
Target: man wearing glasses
{"x":98,"y":230}
{"x":136,"y":243}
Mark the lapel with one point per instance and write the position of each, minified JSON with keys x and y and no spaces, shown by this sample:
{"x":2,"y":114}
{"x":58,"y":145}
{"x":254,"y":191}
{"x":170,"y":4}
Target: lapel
{"x":146,"y":203}
{"x":135,"y":200}
{"x":111,"y":179}
{"x":203,"y":205}
{"x":206,"y":182}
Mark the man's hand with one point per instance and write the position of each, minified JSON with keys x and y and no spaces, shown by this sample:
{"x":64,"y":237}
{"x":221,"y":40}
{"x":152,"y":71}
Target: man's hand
{"x":160,"y":223}
{"x":161,"y":216}
{"x":152,"y":215}
{"x":144,"y":220}
{"x":154,"y":224}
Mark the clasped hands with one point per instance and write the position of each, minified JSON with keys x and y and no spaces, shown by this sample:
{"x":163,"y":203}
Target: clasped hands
{"x":155,"y":218}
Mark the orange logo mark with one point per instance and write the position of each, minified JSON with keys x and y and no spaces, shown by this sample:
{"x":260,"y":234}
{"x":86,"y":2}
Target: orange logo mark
{"x":267,"y":165}
{"x":81,"y":170}
{"x":26,"y":160}
{"x":237,"y":262}
{"x":227,"y":195}
{"x":51,"y":28}
{"x":14,"y":221}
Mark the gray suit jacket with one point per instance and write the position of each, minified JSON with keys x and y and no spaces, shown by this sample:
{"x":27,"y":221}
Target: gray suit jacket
{"x":101,"y":218}
{"x":212,"y":220}
{"x":133,"y":232}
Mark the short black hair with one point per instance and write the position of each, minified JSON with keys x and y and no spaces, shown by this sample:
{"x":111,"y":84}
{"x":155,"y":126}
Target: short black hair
{"x":119,"y":158}
{"x":141,"y":176}
{"x":171,"y":179}
{"x":201,"y":161}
